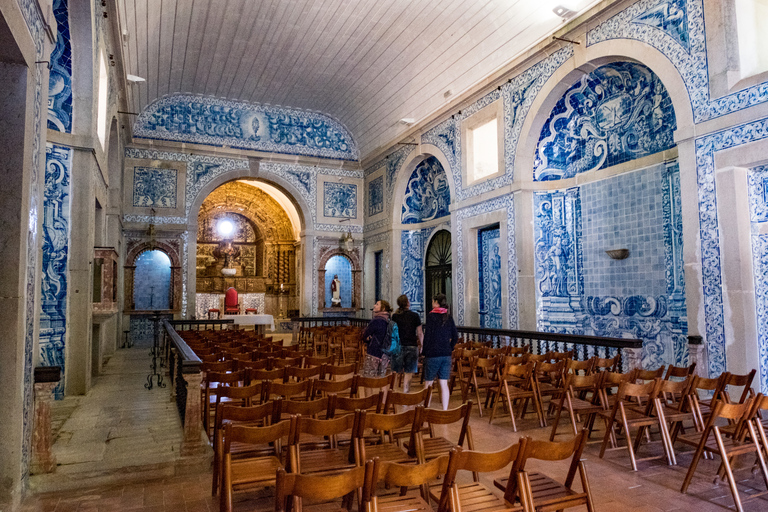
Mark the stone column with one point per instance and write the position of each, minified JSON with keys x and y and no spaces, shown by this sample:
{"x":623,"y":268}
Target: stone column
{"x":43,"y":459}
{"x":193,"y":443}
{"x":632,"y":358}
{"x":697,"y":353}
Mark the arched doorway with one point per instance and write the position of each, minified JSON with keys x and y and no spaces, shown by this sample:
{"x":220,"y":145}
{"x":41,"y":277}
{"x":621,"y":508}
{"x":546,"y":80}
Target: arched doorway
{"x":438,"y":271}
{"x":152,"y":281}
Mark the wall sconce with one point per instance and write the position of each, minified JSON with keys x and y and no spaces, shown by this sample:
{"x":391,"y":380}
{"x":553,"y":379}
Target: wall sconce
{"x":618,"y":254}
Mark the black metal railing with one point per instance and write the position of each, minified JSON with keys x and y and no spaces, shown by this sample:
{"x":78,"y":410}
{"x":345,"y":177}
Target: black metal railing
{"x":184,"y":361}
{"x":322,"y":321}
{"x":583,"y":346}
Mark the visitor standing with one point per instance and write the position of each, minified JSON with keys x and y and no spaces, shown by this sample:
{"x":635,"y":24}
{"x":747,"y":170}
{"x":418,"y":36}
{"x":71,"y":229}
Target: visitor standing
{"x":440,"y":336}
{"x":376,"y":361}
{"x":411,"y":338}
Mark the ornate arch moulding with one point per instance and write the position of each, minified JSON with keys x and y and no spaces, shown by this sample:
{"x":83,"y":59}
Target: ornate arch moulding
{"x":134,"y":249}
{"x":213,"y":121}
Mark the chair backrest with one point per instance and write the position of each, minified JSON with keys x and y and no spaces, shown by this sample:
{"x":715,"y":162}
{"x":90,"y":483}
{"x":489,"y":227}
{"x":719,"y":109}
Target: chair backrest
{"x":298,"y":373}
{"x":376,"y":382}
{"x":607,"y":363}
{"x":267,"y":375}
{"x":326,"y":429}
{"x":341,"y":404}
{"x":393,"y":474}
{"x":739,"y":381}
{"x":230,"y":298}
{"x":321,"y":488}
{"x":461,"y":413}
{"x":289,"y":390}
{"x":572,"y":366}
{"x":234,"y":433}
{"x":557,"y":356}
{"x":248,"y":395}
{"x":334,"y":370}
{"x":306,"y":409}
{"x":326,"y":387}
{"x":396,"y":398}
{"x":647,"y":375}
{"x":679,"y":372}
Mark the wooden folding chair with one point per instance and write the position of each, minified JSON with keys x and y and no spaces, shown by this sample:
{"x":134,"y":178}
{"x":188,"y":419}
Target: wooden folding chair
{"x":254,"y":416}
{"x":375,"y":383}
{"x":214,"y":380}
{"x":345,"y":405}
{"x":386,"y":449}
{"x":397,"y":400}
{"x":610,"y":364}
{"x":481,"y":375}
{"x":337,"y":371}
{"x":475,"y":496}
{"x":679,"y":372}
{"x":306,"y":408}
{"x":739,"y":381}
{"x":253,"y":472}
{"x":623,"y":416}
{"x":329,"y":459}
{"x":430,"y":446}
{"x":526,"y":390}
{"x":292,"y":489}
{"x":543,"y":494}
{"x":743,"y":439}
{"x":576,"y":406}
{"x":297,"y":373}
{"x":404,"y":476}
{"x":310,"y":361}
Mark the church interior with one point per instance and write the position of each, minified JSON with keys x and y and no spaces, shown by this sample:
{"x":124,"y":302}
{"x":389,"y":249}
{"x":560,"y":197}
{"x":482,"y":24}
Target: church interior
{"x":583,"y":180}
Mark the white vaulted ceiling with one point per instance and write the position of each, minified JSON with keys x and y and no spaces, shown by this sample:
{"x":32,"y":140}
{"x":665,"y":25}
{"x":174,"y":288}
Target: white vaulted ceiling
{"x":368,"y":63}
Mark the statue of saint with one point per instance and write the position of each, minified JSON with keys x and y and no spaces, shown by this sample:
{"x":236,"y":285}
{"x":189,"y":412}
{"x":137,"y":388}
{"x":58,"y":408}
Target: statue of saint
{"x":335,"y":292}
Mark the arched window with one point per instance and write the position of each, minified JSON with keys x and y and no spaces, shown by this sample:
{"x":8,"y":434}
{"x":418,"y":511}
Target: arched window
{"x":152,"y":281}
{"x":340,"y":266}
{"x":439,"y":268}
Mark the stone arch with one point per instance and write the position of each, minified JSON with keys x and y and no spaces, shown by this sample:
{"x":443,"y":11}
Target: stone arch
{"x":583,"y":63}
{"x":404,"y":174}
{"x":355,"y":258}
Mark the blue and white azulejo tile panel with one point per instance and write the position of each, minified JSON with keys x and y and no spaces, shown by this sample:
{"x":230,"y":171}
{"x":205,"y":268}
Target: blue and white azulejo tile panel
{"x":376,"y":196}
{"x":53,"y":293}
{"x":676,"y":28}
{"x":241,"y":125}
{"x":489,"y":274}
{"x":154,"y":187}
{"x":412,"y":277}
{"x":580,"y":290}
{"x":616,"y":113}
{"x":340,"y":200}
{"x":758,"y":201}
{"x":60,"y":78}
{"x":427,"y":195}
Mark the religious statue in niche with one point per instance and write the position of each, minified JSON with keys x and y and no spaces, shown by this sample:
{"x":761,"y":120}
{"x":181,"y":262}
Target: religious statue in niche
{"x":335,"y":292}
{"x":228,"y":252}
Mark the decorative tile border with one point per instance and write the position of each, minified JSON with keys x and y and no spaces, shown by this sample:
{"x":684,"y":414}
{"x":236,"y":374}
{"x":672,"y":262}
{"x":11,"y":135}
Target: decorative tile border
{"x":499,"y":203}
{"x":241,"y":125}
{"x":60,"y":77}
{"x":706,"y":147}
{"x":758,"y":187}
{"x":412,"y":258}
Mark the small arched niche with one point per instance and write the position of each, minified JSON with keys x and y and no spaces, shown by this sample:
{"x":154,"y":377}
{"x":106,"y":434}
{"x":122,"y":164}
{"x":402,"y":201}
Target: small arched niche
{"x":152,"y":281}
{"x":339,"y":268}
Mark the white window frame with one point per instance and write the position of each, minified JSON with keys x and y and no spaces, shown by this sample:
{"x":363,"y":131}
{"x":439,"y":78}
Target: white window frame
{"x":494,"y":111}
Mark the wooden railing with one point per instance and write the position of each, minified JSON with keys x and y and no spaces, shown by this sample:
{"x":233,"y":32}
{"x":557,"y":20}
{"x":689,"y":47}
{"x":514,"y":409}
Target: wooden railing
{"x":184,"y":369}
{"x":583,"y":347}
{"x":200,"y":325}
{"x":322,"y":321}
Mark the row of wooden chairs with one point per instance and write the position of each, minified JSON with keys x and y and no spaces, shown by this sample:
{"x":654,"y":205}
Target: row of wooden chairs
{"x":331,"y":472}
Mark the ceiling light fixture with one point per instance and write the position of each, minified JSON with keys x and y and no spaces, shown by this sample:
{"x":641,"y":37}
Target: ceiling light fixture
{"x":408,"y":121}
{"x":134,"y":79}
{"x":563,"y":12}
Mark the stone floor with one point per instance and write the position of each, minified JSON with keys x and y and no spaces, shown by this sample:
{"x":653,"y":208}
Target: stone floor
{"x":117,"y":450}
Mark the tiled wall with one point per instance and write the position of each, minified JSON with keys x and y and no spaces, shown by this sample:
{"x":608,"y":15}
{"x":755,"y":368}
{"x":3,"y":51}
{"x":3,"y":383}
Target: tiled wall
{"x":152,"y":281}
{"x":60,"y":78}
{"x":427,"y":195}
{"x":624,"y":212}
{"x":489,"y":276}
{"x":758,"y":200}
{"x":580,"y":289}
{"x":341,"y":266}
{"x":53,"y":294}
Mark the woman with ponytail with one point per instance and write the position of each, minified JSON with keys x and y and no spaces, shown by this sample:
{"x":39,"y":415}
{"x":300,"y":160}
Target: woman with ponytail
{"x":440,"y":336}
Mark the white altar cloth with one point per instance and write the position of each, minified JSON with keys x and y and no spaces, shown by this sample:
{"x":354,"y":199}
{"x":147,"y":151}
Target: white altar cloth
{"x":252,"y":320}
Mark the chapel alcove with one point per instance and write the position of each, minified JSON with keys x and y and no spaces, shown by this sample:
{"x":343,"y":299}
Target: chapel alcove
{"x":247,"y":240}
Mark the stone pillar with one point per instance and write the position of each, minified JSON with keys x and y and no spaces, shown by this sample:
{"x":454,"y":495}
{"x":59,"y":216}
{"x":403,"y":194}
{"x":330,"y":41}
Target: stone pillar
{"x":193,"y":443}
{"x":632,"y":358}
{"x":697,"y":353}
{"x":43,"y":459}
{"x":80,"y":308}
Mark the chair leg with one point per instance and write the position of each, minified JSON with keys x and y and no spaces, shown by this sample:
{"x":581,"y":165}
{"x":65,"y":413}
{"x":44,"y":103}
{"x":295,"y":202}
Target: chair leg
{"x":728,"y":471}
{"x":585,"y":486}
{"x":694,"y":463}
{"x":628,"y":435}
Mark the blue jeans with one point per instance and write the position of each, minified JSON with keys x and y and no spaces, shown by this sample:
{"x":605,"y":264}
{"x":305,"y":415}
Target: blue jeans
{"x":437,"y":367}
